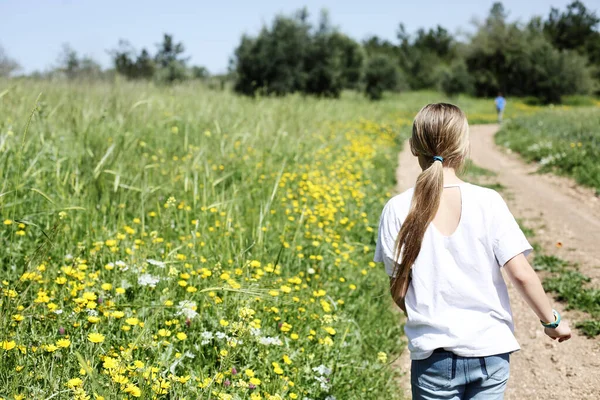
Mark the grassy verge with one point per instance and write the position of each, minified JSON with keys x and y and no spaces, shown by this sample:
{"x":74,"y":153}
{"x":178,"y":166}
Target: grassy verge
{"x":565,"y":141}
{"x":571,"y":286}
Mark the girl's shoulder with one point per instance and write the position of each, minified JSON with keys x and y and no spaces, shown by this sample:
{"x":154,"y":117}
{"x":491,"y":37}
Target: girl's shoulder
{"x":484,"y":194}
{"x":401,"y":202}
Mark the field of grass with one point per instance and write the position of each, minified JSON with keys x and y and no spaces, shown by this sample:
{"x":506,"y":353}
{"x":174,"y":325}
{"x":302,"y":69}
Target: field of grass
{"x":184,"y":243}
{"x":565,"y":141}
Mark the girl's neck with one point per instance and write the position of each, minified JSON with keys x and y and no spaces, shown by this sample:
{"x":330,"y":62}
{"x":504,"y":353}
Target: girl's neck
{"x":450,"y":177}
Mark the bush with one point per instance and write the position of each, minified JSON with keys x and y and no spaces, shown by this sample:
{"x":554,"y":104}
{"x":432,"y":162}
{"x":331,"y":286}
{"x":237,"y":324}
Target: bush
{"x":381,"y":74}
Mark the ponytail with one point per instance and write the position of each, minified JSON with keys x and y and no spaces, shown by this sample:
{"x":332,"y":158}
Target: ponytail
{"x":424,"y":206}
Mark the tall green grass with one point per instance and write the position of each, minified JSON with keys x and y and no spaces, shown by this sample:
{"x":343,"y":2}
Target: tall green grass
{"x":220,"y":245}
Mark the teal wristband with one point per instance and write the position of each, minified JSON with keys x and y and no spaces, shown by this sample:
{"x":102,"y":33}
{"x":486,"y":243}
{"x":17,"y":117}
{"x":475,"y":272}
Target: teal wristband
{"x":554,"y":324}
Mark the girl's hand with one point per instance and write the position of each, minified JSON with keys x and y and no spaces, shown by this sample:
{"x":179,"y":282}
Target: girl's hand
{"x":562,"y":332}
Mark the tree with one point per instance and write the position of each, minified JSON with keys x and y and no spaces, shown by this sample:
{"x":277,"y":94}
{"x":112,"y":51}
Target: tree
{"x":68,"y":61}
{"x":290,"y":56}
{"x":89,"y":68}
{"x":323,"y":66}
{"x":169,"y":60}
{"x":274,"y":61}
{"x":456,"y":79}
{"x":145,"y":67}
{"x":381,"y":74}
{"x":576,"y":29}
{"x":7,"y":65}
{"x":573,"y":29}
{"x":420,"y":56}
{"x":123,"y":59}
{"x":130,"y":65}
{"x":520,"y":61}
{"x":199,"y":72}
{"x":352,"y":58}
{"x":75,"y":67}
{"x":437,"y":41}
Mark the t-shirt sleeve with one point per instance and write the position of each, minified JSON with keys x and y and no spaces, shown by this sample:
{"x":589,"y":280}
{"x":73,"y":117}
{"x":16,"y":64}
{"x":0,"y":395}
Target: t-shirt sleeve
{"x":508,"y":238}
{"x":389,"y":227}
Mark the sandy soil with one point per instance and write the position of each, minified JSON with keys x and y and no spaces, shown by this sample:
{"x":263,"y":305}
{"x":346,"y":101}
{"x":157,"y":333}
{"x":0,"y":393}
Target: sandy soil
{"x":559,"y":211}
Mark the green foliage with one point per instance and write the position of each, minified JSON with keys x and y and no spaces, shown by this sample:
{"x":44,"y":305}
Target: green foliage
{"x":130,"y":65}
{"x":548,"y":263}
{"x":273,"y":62}
{"x":170,"y":61}
{"x":75,"y":67}
{"x":456,"y":79}
{"x":422,"y":55}
{"x":351,"y":58}
{"x":571,"y":287}
{"x":381,"y":74}
{"x":579,"y":101}
{"x":199,"y":72}
{"x":575,"y":29}
{"x":589,"y":327}
{"x":520,"y":61}
{"x":144,"y":65}
{"x":562,"y":140}
{"x":168,"y":65}
{"x":291,"y":56}
{"x":529,"y":232}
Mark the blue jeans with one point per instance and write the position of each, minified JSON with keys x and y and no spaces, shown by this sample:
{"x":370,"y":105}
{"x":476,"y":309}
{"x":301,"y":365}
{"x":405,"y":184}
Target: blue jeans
{"x":445,"y":375}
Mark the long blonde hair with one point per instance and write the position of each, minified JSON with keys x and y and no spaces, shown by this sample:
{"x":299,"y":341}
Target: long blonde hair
{"x":438,"y":130}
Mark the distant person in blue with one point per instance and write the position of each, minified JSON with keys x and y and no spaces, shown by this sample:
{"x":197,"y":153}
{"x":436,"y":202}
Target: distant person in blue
{"x":500,"y":104}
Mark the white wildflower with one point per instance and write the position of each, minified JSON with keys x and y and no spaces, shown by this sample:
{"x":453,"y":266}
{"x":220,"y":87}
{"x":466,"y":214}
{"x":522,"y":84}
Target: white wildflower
{"x":270,"y":341}
{"x":255,"y":331}
{"x":221,"y":335}
{"x":207,"y":335}
{"x":322,"y":370}
{"x":324,"y":382}
{"x":148,"y":280}
{"x":187,"y":308}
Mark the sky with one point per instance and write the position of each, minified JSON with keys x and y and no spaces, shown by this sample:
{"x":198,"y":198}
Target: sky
{"x":33,"y":31}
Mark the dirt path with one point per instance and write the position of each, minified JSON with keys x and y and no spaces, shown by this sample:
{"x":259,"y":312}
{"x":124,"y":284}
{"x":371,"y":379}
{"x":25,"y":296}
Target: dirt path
{"x":558,"y":211}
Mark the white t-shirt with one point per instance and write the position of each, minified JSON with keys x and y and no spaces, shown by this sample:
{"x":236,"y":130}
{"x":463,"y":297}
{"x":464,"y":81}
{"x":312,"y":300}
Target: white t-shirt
{"x":457,"y":298}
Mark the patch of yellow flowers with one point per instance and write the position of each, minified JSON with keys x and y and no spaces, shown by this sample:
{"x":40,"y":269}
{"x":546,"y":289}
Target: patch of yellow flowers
{"x":153,"y":309}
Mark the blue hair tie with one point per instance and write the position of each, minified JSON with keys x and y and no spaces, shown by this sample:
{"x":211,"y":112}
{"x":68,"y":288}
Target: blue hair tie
{"x":438,"y":158}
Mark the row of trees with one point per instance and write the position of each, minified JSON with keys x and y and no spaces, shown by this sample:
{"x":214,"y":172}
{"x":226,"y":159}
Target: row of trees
{"x":545,"y":58}
{"x":167,"y":65}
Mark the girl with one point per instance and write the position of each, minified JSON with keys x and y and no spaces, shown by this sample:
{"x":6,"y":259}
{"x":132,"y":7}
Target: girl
{"x":443,"y":244}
